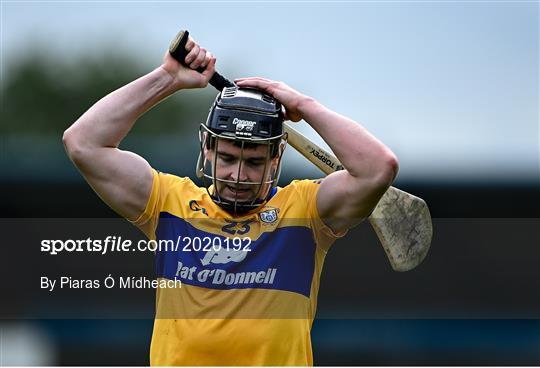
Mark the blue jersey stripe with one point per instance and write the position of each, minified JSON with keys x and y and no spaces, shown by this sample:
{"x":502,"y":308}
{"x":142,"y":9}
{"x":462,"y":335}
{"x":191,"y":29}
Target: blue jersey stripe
{"x":280,"y":260}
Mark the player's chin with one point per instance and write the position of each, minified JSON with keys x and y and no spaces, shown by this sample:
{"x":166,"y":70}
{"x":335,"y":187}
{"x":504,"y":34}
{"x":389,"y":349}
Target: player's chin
{"x":241,"y":195}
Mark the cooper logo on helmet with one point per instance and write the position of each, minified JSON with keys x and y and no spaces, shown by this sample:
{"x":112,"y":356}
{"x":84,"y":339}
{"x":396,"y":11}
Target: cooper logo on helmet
{"x":244,"y":124}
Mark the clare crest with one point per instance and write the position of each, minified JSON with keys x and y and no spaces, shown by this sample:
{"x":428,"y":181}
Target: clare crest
{"x":269,"y":216}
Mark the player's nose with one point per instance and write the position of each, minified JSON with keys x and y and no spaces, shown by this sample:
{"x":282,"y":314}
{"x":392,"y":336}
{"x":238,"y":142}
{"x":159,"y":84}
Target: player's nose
{"x":240,"y":173}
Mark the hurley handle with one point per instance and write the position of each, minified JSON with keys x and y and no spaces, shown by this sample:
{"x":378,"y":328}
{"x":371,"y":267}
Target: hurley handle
{"x":178,"y":51}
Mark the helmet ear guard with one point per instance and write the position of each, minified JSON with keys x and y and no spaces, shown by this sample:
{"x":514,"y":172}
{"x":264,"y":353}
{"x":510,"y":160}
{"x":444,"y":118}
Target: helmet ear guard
{"x":247,"y":117}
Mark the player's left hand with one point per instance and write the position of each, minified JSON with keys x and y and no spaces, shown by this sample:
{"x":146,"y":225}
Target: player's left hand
{"x":290,"y":98}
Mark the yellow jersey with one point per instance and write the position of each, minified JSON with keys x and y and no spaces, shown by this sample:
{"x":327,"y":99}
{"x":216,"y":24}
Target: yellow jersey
{"x":249,"y":283}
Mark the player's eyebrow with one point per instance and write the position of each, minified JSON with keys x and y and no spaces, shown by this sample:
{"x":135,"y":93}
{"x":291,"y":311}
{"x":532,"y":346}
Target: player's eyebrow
{"x":230,"y":156}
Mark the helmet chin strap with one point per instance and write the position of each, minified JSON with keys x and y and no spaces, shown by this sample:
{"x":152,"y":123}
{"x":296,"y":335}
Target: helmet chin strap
{"x":240,"y":208}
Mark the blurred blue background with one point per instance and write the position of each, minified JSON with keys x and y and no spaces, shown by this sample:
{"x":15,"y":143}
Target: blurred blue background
{"x":450,"y":87}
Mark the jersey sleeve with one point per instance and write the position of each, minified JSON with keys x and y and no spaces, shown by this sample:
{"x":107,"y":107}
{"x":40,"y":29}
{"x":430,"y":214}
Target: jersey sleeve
{"x":162,"y":183}
{"x":324,"y":235}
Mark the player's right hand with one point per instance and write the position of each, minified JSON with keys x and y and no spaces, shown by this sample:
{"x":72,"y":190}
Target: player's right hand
{"x":189,"y":77}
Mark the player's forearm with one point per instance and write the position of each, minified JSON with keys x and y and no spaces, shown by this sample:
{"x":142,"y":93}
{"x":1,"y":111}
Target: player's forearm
{"x":363,"y":155}
{"x":108,"y":121}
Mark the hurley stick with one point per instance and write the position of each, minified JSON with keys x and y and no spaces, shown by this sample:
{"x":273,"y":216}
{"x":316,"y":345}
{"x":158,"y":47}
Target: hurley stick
{"x":401,"y":220}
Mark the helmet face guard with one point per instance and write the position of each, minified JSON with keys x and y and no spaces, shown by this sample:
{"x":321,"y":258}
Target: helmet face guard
{"x":246,"y":118}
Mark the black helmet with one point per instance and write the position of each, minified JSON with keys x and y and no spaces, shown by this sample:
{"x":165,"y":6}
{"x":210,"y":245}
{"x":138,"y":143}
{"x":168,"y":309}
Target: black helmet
{"x":246,"y":117}
{"x":245,"y":113}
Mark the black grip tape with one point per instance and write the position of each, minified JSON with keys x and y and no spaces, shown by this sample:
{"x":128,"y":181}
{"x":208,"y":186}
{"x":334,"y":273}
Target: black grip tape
{"x":178,"y":51}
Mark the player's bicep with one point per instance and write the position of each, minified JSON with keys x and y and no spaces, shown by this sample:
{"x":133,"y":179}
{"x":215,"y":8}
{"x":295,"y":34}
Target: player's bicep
{"x":122,"y":179}
{"x":344,"y":201}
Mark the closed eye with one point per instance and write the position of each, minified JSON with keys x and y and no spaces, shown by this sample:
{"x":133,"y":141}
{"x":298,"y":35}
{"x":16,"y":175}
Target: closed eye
{"x":225,"y":157}
{"x":255,"y":162}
